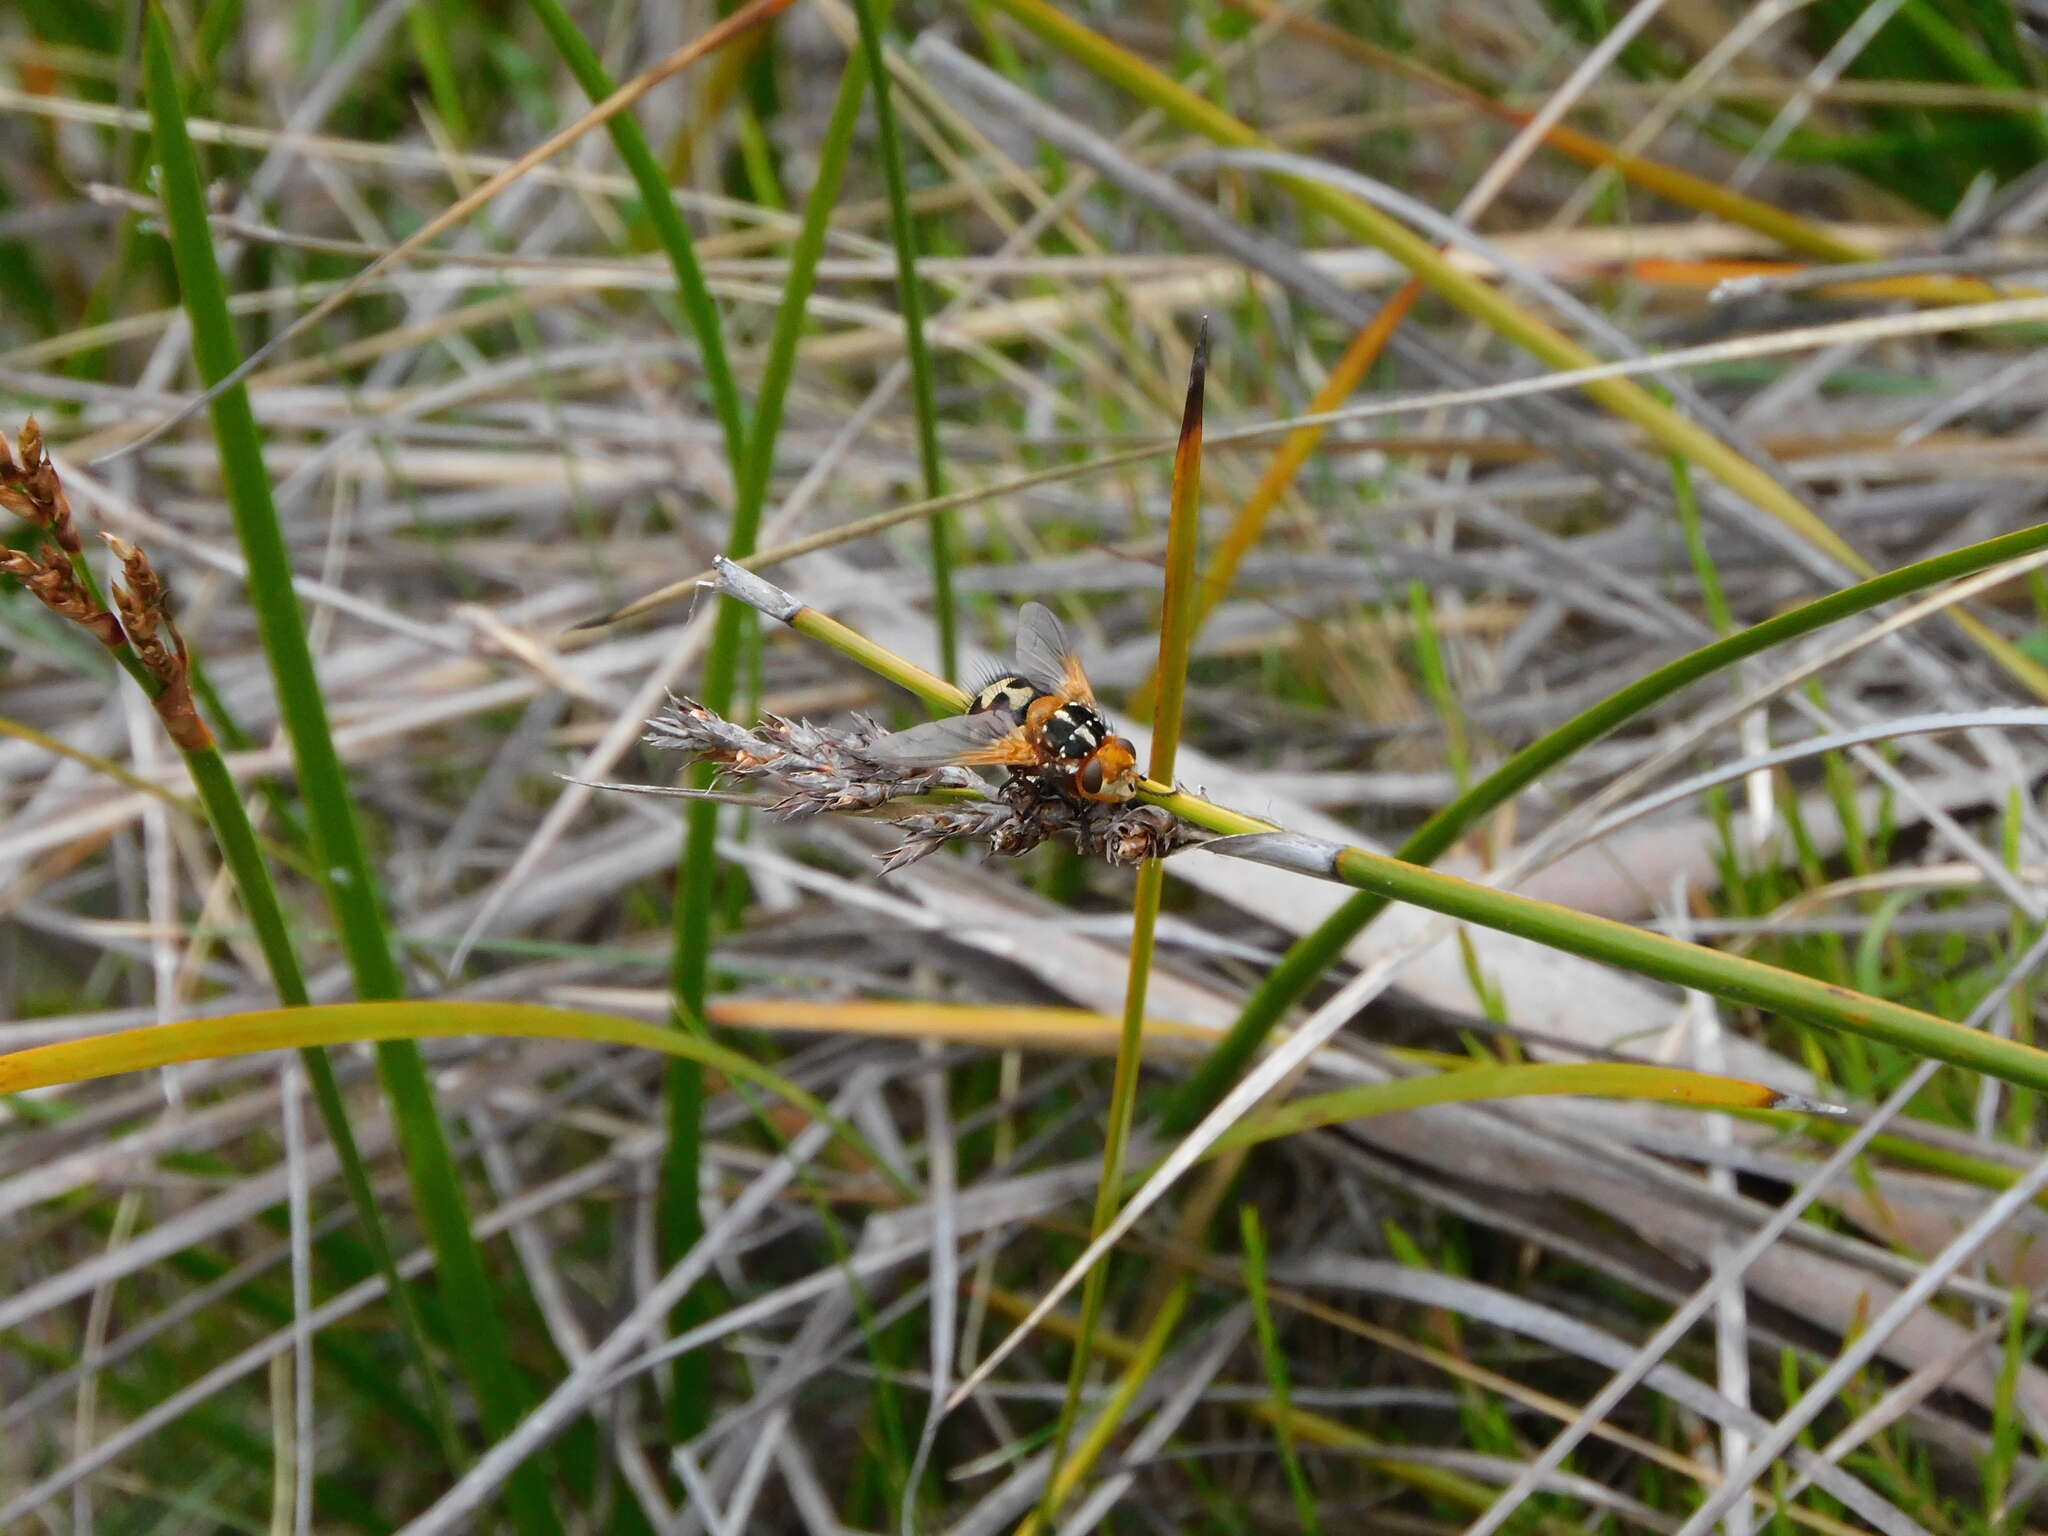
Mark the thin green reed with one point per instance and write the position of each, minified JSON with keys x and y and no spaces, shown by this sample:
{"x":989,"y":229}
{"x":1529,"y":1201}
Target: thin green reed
{"x":910,"y":298}
{"x":658,"y":202}
{"x":347,"y":877}
{"x":680,"y":1221}
{"x":1176,"y":639}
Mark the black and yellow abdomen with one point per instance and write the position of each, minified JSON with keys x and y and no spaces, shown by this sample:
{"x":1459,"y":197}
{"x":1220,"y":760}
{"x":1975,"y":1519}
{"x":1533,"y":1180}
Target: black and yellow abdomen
{"x":1009,"y":693}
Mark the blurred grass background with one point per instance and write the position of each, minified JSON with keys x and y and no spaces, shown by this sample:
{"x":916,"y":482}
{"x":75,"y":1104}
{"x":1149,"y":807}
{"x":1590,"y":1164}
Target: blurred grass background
{"x":856,"y":258}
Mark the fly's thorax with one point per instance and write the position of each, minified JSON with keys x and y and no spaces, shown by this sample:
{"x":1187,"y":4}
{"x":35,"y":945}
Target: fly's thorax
{"x":1073,"y":730}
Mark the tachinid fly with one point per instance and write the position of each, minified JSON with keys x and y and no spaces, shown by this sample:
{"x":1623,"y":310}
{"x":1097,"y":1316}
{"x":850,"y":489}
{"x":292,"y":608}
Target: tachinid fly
{"x":1040,"y":719}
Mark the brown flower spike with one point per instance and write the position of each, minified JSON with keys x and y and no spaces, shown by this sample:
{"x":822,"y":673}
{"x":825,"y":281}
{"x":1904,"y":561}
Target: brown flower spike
{"x":29,"y":487}
{"x":144,"y":604}
{"x":50,"y":577}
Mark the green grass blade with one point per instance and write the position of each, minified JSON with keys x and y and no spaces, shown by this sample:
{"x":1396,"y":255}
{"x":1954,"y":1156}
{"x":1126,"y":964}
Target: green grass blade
{"x":1734,"y":978}
{"x":1315,"y":952}
{"x":1123,"y":1096}
{"x":681,"y":1222}
{"x":1141,"y":1361}
{"x":941,"y":696}
{"x":699,"y":308}
{"x":1475,"y":1085}
{"x":1436,"y":682}
{"x":430,"y":46}
{"x":1177,"y":615}
{"x":242,"y":854}
{"x":1143,"y":1358}
{"x":260,"y":904}
{"x":1276,"y":1369}
{"x":1597,"y":1079}
{"x":216,"y":1036}
{"x":348,"y":879}
{"x":679,"y":1218}
{"x":910,"y":297}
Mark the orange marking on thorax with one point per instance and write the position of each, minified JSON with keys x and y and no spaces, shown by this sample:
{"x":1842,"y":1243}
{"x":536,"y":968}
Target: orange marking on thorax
{"x":1042,"y":709}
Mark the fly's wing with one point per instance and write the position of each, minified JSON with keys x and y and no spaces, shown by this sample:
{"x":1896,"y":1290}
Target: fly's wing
{"x":955,"y":739}
{"x":1046,"y":657}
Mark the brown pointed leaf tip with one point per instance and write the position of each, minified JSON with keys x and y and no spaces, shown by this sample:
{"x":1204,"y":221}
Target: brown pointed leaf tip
{"x":1191,"y":413}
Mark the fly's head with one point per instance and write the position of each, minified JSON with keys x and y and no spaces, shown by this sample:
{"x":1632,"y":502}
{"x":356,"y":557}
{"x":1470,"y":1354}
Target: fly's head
{"x":1109,"y":773}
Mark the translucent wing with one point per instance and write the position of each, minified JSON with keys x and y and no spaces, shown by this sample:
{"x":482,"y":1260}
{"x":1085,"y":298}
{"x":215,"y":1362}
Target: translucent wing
{"x":955,"y":739}
{"x":1046,"y":657}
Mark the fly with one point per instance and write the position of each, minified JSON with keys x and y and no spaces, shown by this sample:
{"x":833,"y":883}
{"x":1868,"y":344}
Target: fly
{"x":1040,"y":720}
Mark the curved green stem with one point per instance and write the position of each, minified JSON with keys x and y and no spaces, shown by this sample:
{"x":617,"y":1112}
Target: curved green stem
{"x":239,"y":849}
{"x":1315,"y":952}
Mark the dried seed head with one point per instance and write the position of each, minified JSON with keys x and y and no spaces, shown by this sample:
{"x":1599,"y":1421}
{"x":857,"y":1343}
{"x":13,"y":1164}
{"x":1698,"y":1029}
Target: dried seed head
{"x":1121,"y":832}
{"x":48,"y":574}
{"x":821,"y":769}
{"x":1131,"y":834}
{"x":1029,"y":811}
{"x":141,"y":594}
{"x":29,"y":487}
{"x":171,"y":666}
{"x":144,"y":602}
{"x":926,"y":832}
